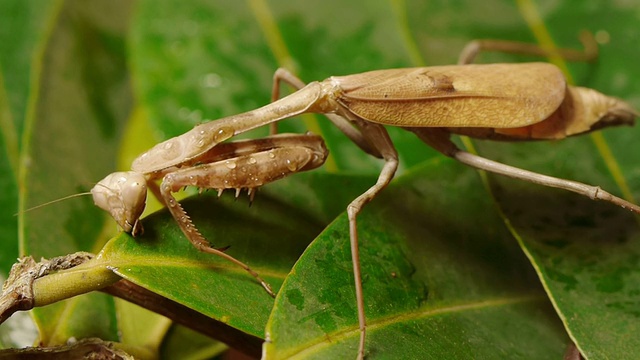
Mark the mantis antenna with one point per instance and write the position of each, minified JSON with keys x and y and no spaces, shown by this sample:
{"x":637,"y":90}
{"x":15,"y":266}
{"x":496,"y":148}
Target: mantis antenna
{"x":53,"y":202}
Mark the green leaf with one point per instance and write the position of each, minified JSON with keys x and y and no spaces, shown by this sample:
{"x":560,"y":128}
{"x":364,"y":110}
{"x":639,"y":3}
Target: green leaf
{"x":213,"y":59}
{"x":19,"y":36}
{"x":442,"y":279}
{"x":585,"y":253}
{"x":78,"y":109}
{"x":269,"y":237}
{"x":82,"y":97}
{"x":189,"y":345}
{"x":9,"y":200}
{"x":22,"y":28}
{"x":165,"y":262}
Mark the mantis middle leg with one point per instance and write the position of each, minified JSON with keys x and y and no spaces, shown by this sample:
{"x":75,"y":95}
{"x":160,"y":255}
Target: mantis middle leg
{"x":374,"y":140}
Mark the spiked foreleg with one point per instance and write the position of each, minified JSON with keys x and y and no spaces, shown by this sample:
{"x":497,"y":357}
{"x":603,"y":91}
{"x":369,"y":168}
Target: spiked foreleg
{"x":248,"y":171}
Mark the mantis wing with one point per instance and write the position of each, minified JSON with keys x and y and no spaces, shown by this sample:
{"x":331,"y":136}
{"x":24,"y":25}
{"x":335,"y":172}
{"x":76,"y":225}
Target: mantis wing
{"x":492,"y":95}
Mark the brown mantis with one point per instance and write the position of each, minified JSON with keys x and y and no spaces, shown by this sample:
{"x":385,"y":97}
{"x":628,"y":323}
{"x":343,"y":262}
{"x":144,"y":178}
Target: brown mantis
{"x":498,"y":101}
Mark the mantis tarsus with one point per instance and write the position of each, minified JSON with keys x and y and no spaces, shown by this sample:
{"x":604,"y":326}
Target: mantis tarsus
{"x":529,"y":101}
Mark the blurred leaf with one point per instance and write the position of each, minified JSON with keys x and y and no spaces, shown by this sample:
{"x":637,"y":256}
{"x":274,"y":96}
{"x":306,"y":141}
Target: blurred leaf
{"x":21,"y":29}
{"x":9,"y":200}
{"x":82,"y":98}
{"x":140,"y":327}
{"x":81,"y":103}
{"x":213,"y":59}
{"x":189,"y":345}
{"x":219,"y":63}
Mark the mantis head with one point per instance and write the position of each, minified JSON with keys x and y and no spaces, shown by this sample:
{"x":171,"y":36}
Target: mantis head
{"x":123,"y":195}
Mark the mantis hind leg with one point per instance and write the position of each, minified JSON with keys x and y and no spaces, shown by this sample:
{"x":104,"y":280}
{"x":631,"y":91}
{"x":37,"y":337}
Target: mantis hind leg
{"x":282,"y":75}
{"x":472,"y":49}
{"x":440,"y":141}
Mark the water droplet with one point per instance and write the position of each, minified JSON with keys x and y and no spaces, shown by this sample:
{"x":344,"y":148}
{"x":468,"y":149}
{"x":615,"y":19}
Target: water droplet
{"x":212,"y":80}
{"x":200,"y":143}
{"x":230,"y":164}
{"x":602,"y":37}
{"x":272,"y":155}
{"x":291,"y":166}
{"x":195,"y":116}
{"x":168,"y":145}
{"x":252,"y":160}
{"x":223,"y":134}
{"x":184,"y":112}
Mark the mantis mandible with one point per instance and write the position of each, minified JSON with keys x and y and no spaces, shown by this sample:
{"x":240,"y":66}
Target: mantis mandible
{"x":529,"y":101}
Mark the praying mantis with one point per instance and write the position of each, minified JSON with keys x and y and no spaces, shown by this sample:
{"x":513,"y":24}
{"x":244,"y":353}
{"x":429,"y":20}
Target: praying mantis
{"x":509,"y":102}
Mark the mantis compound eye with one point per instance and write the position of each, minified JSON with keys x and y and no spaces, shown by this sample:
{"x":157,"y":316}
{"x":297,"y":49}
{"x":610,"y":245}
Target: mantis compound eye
{"x":123,"y":195}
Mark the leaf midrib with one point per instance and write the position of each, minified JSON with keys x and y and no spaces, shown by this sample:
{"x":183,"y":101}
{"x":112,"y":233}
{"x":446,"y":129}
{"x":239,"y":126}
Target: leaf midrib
{"x":320,"y":343}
